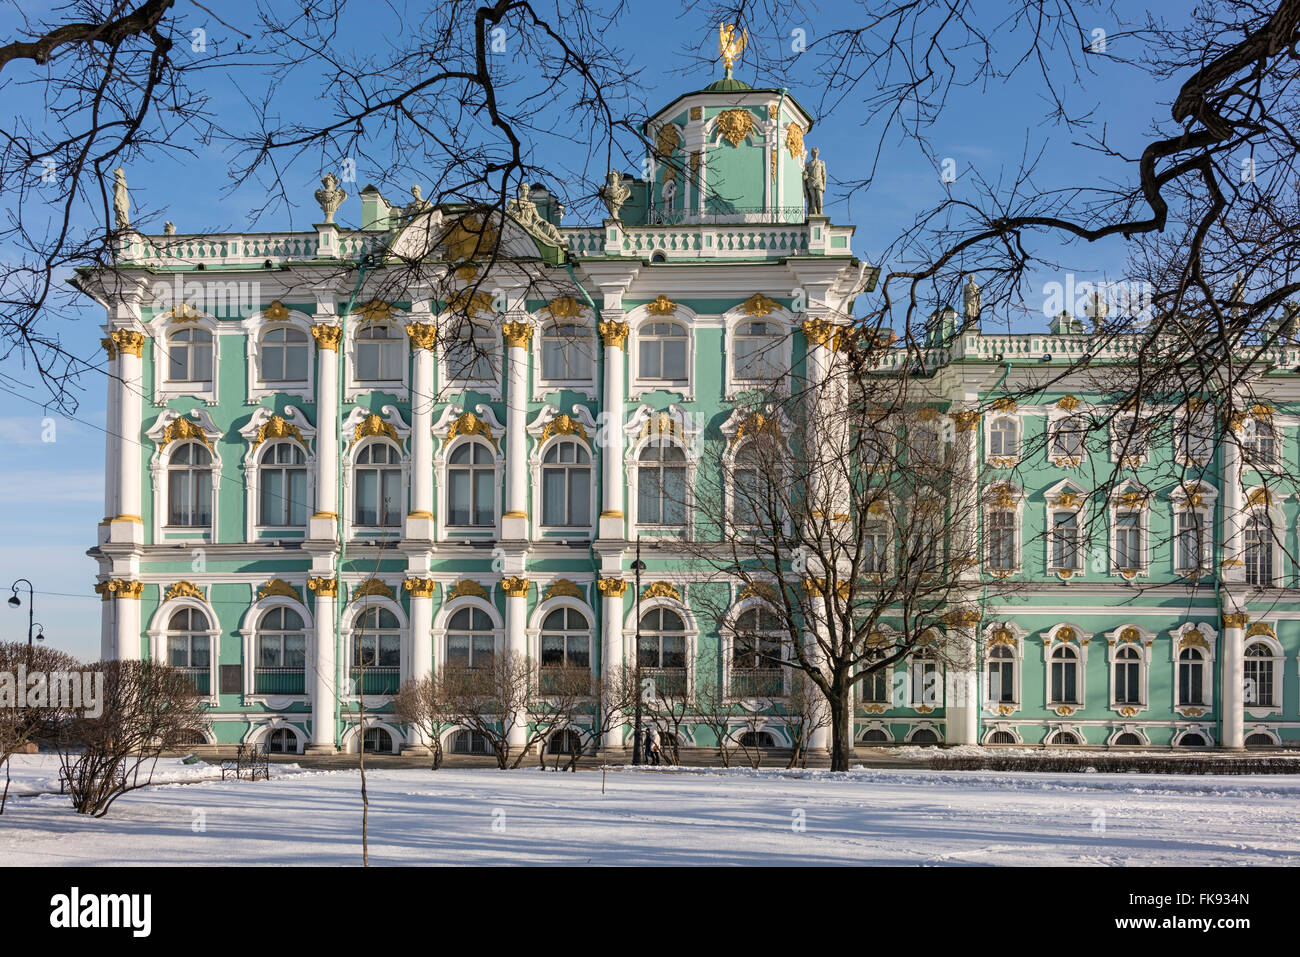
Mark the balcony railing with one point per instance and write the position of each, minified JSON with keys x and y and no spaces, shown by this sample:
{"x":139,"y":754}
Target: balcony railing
{"x":757,"y":683}
{"x":666,"y":216}
{"x":376,"y":680}
{"x":201,"y":678}
{"x":668,"y":682}
{"x":279,"y":681}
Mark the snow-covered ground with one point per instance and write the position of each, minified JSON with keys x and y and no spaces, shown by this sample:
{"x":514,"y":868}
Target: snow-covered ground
{"x":687,"y":816}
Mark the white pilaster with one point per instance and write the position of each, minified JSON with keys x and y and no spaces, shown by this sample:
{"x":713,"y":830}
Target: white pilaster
{"x":820,"y":738}
{"x":612,"y":591}
{"x":514,"y":523}
{"x":516,"y":590}
{"x":961,"y":696}
{"x":112,"y":443}
{"x":421,"y":590}
{"x":324,"y":664}
{"x":1234,"y":565}
{"x":419,"y":522}
{"x":1232,"y":677}
{"x":127,"y":525}
{"x":126,"y":608}
{"x":323,"y":521}
{"x":613,"y":332}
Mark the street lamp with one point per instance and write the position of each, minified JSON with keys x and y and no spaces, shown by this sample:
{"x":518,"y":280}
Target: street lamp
{"x":16,"y":602}
{"x":638,"y":566}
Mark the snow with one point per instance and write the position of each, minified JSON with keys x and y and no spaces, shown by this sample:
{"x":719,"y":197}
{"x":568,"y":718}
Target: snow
{"x":39,"y":773}
{"x":672,"y":816}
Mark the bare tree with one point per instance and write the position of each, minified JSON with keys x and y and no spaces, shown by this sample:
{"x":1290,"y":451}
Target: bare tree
{"x":420,"y":703}
{"x":147,"y":709}
{"x":24,"y":722}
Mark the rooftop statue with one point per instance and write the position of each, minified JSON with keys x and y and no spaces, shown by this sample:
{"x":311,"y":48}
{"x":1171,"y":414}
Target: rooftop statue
{"x":970,"y":300}
{"x":524,"y":211}
{"x":731,"y":43}
{"x":814,"y":184}
{"x":417,"y":205}
{"x":121,"y":200}
{"x":614,"y":193}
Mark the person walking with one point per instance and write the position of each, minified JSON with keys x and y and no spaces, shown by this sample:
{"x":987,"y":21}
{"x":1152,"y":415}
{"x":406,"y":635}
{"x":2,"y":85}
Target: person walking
{"x":652,"y":746}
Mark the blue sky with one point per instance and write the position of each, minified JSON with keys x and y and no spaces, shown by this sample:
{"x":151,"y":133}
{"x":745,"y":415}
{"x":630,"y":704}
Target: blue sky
{"x":53,"y":491}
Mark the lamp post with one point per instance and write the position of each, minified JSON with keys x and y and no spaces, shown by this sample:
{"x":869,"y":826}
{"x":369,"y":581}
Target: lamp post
{"x":637,"y":566}
{"x":16,"y":602}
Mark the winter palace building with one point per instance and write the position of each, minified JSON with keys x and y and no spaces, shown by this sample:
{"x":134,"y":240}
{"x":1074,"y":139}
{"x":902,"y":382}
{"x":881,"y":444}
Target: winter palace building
{"x":264,"y":436}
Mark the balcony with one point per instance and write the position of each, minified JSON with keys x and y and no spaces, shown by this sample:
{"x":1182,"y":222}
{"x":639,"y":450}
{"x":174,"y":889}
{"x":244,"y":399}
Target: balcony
{"x":375,"y":680}
{"x":757,"y":683}
{"x":201,"y":678}
{"x":279,"y":681}
{"x":668,"y":682}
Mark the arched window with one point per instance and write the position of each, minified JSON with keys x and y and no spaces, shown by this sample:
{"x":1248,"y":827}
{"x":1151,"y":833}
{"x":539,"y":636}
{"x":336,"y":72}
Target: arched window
{"x":757,"y":350}
{"x":927,"y":690}
{"x":1259,"y":548}
{"x":282,"y":485}
{"x":565,"y":645}
{"x":1261,"y":444}
{"x":1001,"y":675}
{"x":189,"y":486}
{"x":377,"y":741}
{"x":1063,"y":737}
{"x":564,"y":741}
{"x":567,"y":352}
{"x":378,"y":486}
{"x":189,"y":647}
{"x":281,"y":653}
{"x":1065,"y":675}
{"x":1192,"y":740}
{"x":1002,"y":737}
{"x":566,"y":484}
{"x":662,"y":651}
{"x":1257,"y":678}
{"x":280,"y":741}
{"x":471,"y":486}
{"x":189,"y":355}
{"x":284,"y":355}
{"x":1257,"y":740}
{"x":1003,"y":437}
{"x":1127,"y":740}
{"x":470,"y":742}
{"x":470,"y":640}
{"x":1128,"y":676}
{"x":877,"y":686}
{"x":923,"y":736}
{"x":1191,"y":677}
{"x":376,"y":651}
{"x":661,"y":485}
{"x":874,"y":736}
{"x":381,"y":353}
{"x":757,"y":739}
{"x":756,"y":655}
{"x":749,"y":504}
{"x":1067,"y":440}
{"x":662,"y":348}
{"x":472,"y":357}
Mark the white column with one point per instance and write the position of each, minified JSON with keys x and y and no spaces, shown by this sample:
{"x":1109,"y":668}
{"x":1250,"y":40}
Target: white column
{"x":516,"y":590}
{"x":112,"y":444}
{"x":612,"y":591}
{"x":514,"y":523}
{"x":126,"y":609}
{"x":324,"y":696}
{"x":820,"y":738}
{"x":107,"y":629}
{"x":1234,"y":566}
{"x":421,"y":590}
{"x":419,"y":522}
{"x":613,"y":332}
{"x":127,"y":525}
{"x":322,"y":525}
{"x":1232,"y":677}
{"x":961,"y":696}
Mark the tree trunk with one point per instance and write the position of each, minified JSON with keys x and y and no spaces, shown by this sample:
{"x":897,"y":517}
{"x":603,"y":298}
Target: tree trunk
{"x":841,"y":732}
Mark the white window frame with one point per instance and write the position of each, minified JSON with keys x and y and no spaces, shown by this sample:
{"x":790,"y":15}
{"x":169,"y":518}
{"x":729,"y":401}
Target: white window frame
{"x":1013,"y":502}
{"x":1017,"y":646}
{"x":1183,"y":441}
{"x":781,"y":353}
{"x":158,"y":465}
{"x":1277,"y":524}
{"x":1079,"y":642}
{"x":1180,"y":638}
{"x":688,"y":620}
{"x":353,"y":384}
{"x":256,"y":328}
{"x":357,"y":606}
{"x":1249,"y":437}
{"x":916,"y":660}
{"x":489,"y":335}
{"x":639,"y":386}
{"x":160,"y":328}
{"x":1141,"y":508}
{"x":1056,"y":420}
{"x":1052,"y":504}
{"x":253,"y":527}
{"x":586,"y":387}
{"x":249,"y":635}
{"x":1122,"y":425}
{"x":1141,"y":641}
{"x":1183,"y":499}
{"x":729,"y":636}
{"x":1277,"y":658}
{"x":159,"y":631}
{"x":991,"y":458}
{"x":442,"y":450}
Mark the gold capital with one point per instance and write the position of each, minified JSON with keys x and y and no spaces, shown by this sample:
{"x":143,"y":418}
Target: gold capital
{"x":422,"y":334}
{"x":514,"y":586}
{"x":517,"y":334}
{"x":1235,"y":620}
{"x":324,"y":587}
{"x":613,"y":333}
{"x":420,"y":587}
{"x":128,"y":340}
{"x":611,"y":587}
{"x":327,"y":337}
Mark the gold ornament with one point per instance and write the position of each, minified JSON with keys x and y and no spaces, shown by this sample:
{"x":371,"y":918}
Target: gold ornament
{"x":517,"y":334}
{"x":276,"y":311}
{"x":731,"y":43}
{"x":372,"y":586}
{"x":794,"y":141}
{"x":514,"y":586}
{"x":613,"y":333}
{"x":423,"y":335}
{"x":324,"y":587}
{"x":1235,"y":620}
{"x":128,"y":341}
{"x":563,"y":307}
{"x":327,"y":336}
{"x":661,"y":590}
{"x":374,"y":425}
{"x":277,"y":428}
{"x":662,"y":306}
{"x":611,"y":587}
{"x":467,"y":587}
{"x":759,"y":305}
{"x":563,"y":424}
{"x":735,"y":125}
{"x":469,"y":424}
{"x":183,"y":589}
{"x":278,"y":586}
{"x":182,"y":429}
{"x":420,"y":587}
{"x":562,"y":587}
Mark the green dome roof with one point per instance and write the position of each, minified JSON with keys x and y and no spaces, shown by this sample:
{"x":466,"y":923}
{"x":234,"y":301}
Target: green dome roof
{"x":727,"y":85}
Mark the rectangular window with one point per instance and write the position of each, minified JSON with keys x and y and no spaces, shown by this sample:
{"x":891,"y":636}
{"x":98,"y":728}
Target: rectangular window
{"x":1002,"y":539}
{"x":1128,"y":540}
{"x":1065,"y":541}
{"x":1190,"y":548}
{"x":1065,"y":682}
{"x":1190,"y":677}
